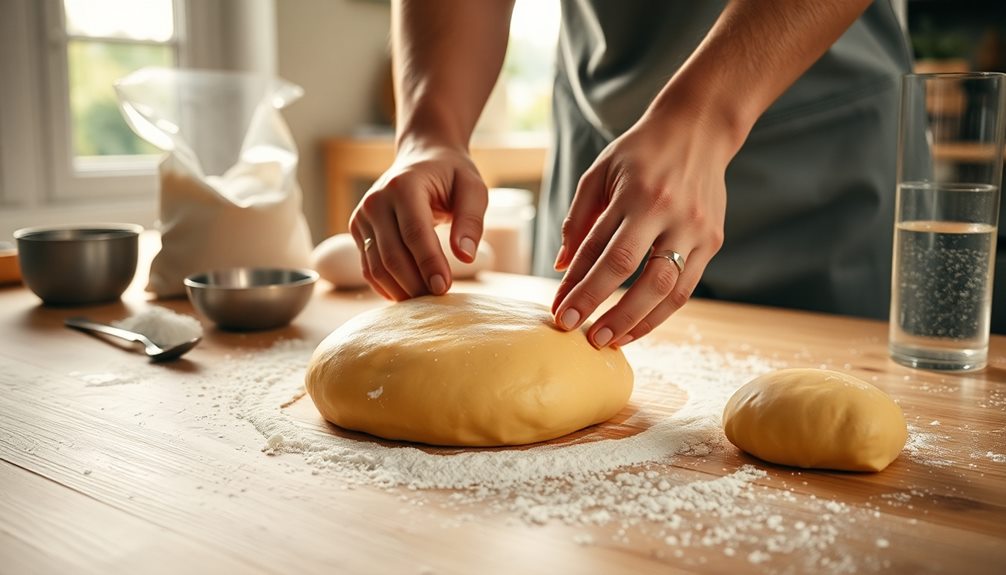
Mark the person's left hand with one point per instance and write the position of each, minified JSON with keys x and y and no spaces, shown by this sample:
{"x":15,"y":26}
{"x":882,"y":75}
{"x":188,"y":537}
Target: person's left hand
{"x":660,"y":187}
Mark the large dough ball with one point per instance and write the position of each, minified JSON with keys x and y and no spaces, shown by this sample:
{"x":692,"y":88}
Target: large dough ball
{"x":816,"y":418}
{"x":465,"y":369}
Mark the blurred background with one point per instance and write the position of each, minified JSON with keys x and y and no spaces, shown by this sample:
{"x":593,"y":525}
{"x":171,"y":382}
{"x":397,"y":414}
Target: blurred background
{"x":67,"y":156}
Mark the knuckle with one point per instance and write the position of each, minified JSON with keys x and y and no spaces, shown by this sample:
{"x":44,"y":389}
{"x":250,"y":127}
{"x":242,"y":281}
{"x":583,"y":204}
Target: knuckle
{"x":394,"y":262}
{"x":591,"y":249}
{"x":587,"y":299}
{"x":396,"y":182}
{"x":371,"y":204}
{"x":414,"y":233}
{"x":716,"y":238}
{"x":663,"y":280}
{"x":620,"y":261}
{"x":642,"y":328}
{"x":621,"y":320}
{"x":567,"y":228}
{"x":658,"y":198}
{"x":678,"y":298}
{"x":469,"y":222}
{"x":428,"y":261}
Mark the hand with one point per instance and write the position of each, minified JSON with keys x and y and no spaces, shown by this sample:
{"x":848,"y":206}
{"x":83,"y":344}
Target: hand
{"x":659,"y":186}
{"x":393,"y":224}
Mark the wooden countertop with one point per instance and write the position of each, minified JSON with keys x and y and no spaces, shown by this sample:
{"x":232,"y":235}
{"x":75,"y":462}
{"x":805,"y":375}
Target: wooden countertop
{"x":155,"y":477}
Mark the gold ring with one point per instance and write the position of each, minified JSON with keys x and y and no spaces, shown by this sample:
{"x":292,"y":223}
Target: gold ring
{"x":367,"y":242}
{"x":672,"y":256}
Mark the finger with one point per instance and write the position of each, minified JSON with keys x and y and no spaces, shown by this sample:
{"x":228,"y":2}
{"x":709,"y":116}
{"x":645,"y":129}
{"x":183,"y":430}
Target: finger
{"x":395,"y":257}
{"x":653,"y":286}
{"x":695,"y":265}
{"x":469,"y":200}
{"x":588,"y":252}
{"x":588,"y":204}
{"x":621,"y":257}
{"x":415,"y":224}
{"x":363,"y":235}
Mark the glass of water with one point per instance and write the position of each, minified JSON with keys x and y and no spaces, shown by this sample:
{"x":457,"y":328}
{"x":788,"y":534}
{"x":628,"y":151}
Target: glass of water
{"x":950,"y":168}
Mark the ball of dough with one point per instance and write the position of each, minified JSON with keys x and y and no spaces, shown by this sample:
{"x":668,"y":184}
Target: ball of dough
{"x":816,"y":418}
{"x":337,"y":260}
{"x":465,"y":369}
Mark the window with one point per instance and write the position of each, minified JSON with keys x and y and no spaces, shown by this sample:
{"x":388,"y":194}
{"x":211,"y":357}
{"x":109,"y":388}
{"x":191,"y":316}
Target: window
{"x":529,"y":68}
{"x":66,"y":154}
{"x":93,"y":43}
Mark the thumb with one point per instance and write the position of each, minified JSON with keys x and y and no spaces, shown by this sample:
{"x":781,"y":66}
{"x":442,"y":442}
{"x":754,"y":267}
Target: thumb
{"x":468,"y":207}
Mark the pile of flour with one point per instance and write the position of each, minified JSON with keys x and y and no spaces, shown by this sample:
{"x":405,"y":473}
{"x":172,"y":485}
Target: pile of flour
{"x":163,"y":326}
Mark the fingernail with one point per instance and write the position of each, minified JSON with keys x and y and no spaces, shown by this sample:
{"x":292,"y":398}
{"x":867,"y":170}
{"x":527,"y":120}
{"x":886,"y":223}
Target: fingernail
{"x":467,"y":245}
{"x":624,"y":340}
{"x":569,"y":318}
{"x":438,"y":285}
{"x":602,"y":337}
{"x":558,"y":258}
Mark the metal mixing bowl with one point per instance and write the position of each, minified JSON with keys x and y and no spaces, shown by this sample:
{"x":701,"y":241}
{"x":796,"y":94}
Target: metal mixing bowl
{"x":74,"y":265}
{"x":251,"y":298}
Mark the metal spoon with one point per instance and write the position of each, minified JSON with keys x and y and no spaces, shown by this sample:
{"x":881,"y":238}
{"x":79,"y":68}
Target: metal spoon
{"x":153,"y":351}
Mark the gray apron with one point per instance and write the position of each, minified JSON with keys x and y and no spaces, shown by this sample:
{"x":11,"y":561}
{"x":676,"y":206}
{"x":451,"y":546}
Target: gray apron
{"x":810,"y":195}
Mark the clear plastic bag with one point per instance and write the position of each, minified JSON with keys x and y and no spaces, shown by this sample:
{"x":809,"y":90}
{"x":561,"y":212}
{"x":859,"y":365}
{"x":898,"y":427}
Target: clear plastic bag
{"x":229,"y":194}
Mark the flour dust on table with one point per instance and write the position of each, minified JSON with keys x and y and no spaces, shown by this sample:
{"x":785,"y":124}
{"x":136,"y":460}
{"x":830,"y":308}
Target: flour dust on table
{"x":625,"y":485}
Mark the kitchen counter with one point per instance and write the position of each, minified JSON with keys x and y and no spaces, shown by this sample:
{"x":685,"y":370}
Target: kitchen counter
{"x":111,"y":464}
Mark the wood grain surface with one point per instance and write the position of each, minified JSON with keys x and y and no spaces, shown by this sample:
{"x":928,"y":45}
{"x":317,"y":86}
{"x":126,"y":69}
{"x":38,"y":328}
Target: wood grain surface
{"x":155,"y":476}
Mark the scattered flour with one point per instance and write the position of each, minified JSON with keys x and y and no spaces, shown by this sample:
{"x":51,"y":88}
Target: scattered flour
{"x":996,"y":457}
{"x":621,"y":484}
{"x":624,"y":487}
{"x":106,"y":379}
{"x":925,"y":447}
{"x":163,"y":326}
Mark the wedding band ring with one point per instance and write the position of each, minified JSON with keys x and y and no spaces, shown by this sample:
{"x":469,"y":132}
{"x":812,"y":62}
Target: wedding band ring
{"x":672,"y":256}
{"x":367,"y":242}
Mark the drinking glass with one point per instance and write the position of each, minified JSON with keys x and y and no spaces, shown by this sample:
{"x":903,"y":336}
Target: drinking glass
{"x":949,"y":176}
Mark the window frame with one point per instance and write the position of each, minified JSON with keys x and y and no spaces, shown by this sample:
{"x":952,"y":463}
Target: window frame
{"x":123,"y":176}
{"x":210,"y":35}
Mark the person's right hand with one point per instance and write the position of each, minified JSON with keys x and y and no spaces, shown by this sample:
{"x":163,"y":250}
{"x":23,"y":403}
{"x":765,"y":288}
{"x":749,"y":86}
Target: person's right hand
{"x":393,"y":223}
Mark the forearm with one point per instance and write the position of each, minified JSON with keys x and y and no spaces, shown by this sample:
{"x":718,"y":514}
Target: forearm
{"x":447,"y":55}
{"x":753,"y":53}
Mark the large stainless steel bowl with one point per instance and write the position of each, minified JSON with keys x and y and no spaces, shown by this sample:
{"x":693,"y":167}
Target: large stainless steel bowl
{"x":251,"y":298}
{"x":76,"y":265}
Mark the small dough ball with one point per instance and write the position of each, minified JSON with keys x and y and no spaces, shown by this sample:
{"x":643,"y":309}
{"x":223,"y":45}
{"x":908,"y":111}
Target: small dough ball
{"x":337,"y":260}
{"x":465,"y":369}
{"x":816,"y":418}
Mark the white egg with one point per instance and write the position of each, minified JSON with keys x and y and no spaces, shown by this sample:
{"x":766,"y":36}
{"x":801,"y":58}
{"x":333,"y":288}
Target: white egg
{"x":337,"y":260}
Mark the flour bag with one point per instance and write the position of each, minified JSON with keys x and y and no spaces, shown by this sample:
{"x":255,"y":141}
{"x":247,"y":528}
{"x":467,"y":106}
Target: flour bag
{"x":229,"y":195}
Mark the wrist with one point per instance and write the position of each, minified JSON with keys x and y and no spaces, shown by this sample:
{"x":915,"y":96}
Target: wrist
{"x":720,"y":117}
{"x":428,"y":126}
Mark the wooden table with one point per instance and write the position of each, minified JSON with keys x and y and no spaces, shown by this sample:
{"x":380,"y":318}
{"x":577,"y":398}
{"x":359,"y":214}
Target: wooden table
{"x":156,"y":477}
{"x":501,"y":161}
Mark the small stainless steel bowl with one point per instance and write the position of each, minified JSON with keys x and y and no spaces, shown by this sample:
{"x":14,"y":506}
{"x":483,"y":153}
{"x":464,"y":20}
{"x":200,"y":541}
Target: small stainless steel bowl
{"x":251,"y":298}
{"x":75,"y":265}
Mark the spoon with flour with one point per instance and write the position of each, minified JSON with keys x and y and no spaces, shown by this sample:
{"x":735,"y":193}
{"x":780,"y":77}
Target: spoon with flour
{"x":156,"y":350}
